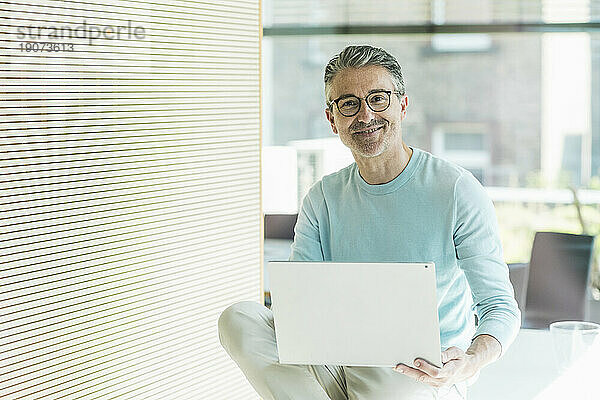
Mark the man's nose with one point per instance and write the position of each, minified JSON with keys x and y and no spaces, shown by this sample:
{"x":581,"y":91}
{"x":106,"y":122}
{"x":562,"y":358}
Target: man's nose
{"x":365,"y":114}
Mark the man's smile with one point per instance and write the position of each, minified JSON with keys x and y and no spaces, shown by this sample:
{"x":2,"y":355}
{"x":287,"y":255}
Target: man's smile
{"x":370,"y":131}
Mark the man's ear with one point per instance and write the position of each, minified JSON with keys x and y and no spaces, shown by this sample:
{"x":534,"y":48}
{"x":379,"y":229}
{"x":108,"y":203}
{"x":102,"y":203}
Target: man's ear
{"x":404,"y":105}
{"x":329,"y":116}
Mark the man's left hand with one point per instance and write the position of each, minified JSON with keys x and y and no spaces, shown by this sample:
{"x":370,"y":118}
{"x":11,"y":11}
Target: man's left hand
{"x":457,"y":366}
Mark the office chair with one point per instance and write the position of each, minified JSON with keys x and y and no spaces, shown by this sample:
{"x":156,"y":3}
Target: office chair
{"x":280,"y":226}
{"x":557,"y":278}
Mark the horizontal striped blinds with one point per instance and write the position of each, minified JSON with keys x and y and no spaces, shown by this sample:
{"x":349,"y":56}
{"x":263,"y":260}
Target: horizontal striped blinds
{"x":281,"y":13}
{"x":129,"y":195}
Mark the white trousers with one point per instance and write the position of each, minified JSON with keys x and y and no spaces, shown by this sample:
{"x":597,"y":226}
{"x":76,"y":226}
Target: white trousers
{"x":247,"y":333}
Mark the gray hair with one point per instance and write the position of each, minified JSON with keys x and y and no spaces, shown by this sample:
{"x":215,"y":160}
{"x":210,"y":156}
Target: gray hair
{"x":362,"y":56}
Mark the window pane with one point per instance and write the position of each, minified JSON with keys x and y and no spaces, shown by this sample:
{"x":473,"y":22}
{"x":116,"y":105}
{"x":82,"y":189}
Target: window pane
{"x":464,"y":141}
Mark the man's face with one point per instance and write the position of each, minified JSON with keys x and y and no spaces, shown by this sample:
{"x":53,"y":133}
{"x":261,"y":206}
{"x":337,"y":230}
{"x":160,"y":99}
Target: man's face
{"x":359,"y":82}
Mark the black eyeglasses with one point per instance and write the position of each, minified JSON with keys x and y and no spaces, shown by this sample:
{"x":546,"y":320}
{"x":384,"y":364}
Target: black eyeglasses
{"x":349,"y":105}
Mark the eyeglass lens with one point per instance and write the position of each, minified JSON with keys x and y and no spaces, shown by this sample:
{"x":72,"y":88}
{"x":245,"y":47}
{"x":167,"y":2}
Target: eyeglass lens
{"x":377,"y":101}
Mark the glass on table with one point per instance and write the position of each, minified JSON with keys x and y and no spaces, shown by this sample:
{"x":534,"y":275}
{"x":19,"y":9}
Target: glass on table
{"x":573,"y":340}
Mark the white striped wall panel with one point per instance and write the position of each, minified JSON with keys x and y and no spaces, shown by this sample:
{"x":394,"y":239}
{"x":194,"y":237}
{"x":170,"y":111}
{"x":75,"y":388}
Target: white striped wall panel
{"x":130,"y":212}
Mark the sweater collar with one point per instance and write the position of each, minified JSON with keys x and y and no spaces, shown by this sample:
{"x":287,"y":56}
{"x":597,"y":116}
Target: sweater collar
{"x":394,"y":184}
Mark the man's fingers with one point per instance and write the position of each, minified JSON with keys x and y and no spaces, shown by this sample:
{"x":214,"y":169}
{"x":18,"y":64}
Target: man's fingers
{"x":449,"y":368}
{"x":452,"y":353}
{"x":414,"y":373}
{"x":422,"y":371}
{"x":445,"y":357}
{"x":429,"y":369}
{"x":435,"y":372}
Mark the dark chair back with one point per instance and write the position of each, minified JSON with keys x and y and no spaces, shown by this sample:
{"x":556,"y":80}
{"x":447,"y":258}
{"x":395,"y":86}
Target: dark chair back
{"x":280,"y":226}
{"x":559,"y":271}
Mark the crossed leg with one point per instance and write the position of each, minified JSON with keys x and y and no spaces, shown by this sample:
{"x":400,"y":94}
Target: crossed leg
{"x":247,"y":333}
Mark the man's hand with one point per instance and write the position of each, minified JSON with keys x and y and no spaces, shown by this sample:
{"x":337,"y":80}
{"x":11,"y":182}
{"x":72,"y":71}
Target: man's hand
{"x":457,"y":365}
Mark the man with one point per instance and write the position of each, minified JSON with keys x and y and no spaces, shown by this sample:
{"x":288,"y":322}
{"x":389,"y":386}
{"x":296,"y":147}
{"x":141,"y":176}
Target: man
{"x":394,"y":204}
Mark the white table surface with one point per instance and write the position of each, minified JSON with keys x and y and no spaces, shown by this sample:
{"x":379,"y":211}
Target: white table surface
{"x":529,"y":370}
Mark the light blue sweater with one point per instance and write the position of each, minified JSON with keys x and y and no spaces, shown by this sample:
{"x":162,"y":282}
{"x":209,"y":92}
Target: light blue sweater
{"x":433,"y":211}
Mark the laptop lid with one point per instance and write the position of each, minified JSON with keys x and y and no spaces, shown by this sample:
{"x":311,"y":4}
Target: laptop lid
{"x":355,"y":314}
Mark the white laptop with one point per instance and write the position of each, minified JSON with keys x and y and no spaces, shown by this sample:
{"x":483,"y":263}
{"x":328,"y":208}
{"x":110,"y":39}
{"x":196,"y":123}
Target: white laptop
{"x":355,"y":314}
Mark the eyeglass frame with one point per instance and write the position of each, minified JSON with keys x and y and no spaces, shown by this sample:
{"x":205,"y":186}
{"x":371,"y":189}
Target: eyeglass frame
{"x":345,"y":96}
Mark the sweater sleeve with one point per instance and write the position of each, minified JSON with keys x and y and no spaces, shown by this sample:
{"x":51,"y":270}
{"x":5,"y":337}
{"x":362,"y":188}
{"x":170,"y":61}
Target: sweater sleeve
{"x":479,"y":255}
{"x":307,"y":240}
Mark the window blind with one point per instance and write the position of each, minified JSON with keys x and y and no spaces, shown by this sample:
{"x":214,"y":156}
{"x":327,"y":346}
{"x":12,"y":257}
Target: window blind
{"x":129,"y":195}
{"x":354,"y":13}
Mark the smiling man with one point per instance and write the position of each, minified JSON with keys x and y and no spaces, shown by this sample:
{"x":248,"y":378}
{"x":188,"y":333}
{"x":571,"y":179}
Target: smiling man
{"x":394,"y":204}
